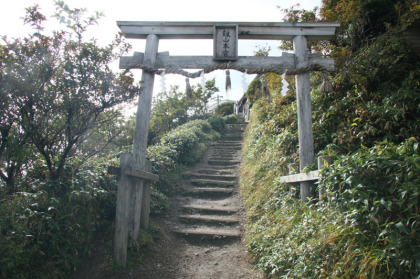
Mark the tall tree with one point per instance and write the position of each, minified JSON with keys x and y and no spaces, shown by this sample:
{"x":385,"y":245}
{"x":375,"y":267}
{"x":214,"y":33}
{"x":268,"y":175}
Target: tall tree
{"x":57,"y":88}
{"x":172,"y":108}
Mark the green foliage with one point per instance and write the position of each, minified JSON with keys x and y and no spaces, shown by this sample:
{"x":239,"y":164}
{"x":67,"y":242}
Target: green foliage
{"x":379,"y":187}
{"x":56,"y":89}
{"x":230,"y":119}
{"x":135,"y":251}
{"x":181,"y":146}
{"x":376,"y":97}
{"x":57,"y":117}
{"x":292,"y":240}
{"x":202,"y":96}
{"x":171,"y":109}
{"x":43,"y":236}
{"x":366,"y":225}
{"x":253,"y":92}
{"x":217,"y":123}
{"x":224,"y":109}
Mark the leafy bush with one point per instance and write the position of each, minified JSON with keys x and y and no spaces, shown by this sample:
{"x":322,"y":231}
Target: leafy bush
{"x":367,"y":227}
{"x":217,"y":123}
{"x":230,"y":119}
{"x":380,"y":188}
{"x":291,"y":240}
{"x":181,"y":146}
{"x":224,"y":109}
{"x":367,"y":224}
{"x":43,"y":236}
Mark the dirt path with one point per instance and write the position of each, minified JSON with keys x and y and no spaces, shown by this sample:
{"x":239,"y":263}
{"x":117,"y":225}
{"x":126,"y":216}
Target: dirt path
{"x":203,"y":235}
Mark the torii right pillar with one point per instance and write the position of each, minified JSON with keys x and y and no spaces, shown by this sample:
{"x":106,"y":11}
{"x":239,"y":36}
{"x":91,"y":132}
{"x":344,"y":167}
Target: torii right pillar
{"x":304,"y":112}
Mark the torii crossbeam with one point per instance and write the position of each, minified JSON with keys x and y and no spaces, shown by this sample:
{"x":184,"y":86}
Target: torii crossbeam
{"x":225,"y":36}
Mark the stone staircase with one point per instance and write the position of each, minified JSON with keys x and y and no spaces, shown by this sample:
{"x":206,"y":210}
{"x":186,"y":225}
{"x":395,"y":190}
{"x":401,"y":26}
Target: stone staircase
{"x":209,"y":206}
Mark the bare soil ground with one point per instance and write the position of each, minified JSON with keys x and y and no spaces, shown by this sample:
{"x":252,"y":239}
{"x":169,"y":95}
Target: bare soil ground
{"x":172,"y":257}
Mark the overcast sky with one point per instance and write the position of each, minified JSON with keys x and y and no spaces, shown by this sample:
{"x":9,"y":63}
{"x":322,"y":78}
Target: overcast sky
{"x":165,"y":10}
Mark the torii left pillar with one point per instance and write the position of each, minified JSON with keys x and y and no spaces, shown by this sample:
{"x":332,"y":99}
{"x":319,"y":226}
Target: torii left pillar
{"x":131,"y":213}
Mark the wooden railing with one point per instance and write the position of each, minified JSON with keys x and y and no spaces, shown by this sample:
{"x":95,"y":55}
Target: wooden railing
{"x":323,"y":161}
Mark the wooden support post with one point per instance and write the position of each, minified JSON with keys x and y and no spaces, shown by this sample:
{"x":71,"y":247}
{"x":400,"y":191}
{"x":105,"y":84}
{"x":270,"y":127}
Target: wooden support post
{"x":122,"y":211}
{"x":293,"y":169}
{"x":145,"y":204}
{"x":141,"y":132}
{"x":304,"y":110}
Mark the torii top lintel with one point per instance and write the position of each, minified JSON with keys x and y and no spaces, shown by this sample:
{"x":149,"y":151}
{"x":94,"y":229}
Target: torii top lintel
{"x":246,"y":30}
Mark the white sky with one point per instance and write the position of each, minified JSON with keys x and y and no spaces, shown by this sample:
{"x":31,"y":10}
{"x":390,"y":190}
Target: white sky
{"x":11,"y":25}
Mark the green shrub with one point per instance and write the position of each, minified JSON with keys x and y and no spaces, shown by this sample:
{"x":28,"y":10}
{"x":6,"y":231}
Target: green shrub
{"x":379,"y":186}
{"x":224,"y":109}
{"x":217,"y":123}
{"x":42,"y":236}
{"x":367,"y":227}
{"x":230,"y":119}
{"x":181,"y":146}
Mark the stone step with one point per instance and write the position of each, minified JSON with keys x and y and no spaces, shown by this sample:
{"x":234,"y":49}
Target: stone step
{"x":209,"y":219}
{"x":215,"y":171}
{"x":209,"y":209}
{"x":209,"y":192}
{"x":233,"y":132}
{"x":231,"y":136}
{"x":205,"y":232}
{"x":223,"y":152}
{"x":222,"y":158}
{"x":236,"y":144}
{"x":228,"y":142}
{"x":232,"y":149}
{"x":224,"y":167}
{"x":212,"y":183}
{"x":211,"y":176}
{"x":237,"y":126}
{"x":237,"y":138}
{"x":222,"y":148}
{"x":223,"y":162}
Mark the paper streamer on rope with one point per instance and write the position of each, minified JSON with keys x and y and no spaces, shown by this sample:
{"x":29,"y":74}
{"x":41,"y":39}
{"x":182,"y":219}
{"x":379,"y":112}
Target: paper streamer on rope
{"x":244,"y":82}
{"x":264,"y":88}
{"x":203,"y":81}
{"x":284,"y":88}
{"x":326,"y":84}
{"x":228,"y":81}
{"x":188,"y":89}
{"x":163,"y":82}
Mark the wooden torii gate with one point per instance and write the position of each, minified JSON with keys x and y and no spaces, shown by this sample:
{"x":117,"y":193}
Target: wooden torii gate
{"x":225,"y":56}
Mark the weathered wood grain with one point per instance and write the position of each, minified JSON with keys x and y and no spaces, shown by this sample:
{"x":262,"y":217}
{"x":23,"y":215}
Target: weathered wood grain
{"x":134,"y":172}
{"x":304,"y":112}
{"x":284,"y":62}
{"x":142,"y":174}
{"x":145,"y":203}
{"x":141,"y":132}
{"x":122,"y":212}
{"x":246,"y":30}
{"x":300,"y":177}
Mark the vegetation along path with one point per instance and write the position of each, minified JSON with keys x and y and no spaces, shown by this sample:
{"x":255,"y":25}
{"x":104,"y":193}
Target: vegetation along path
{"x":203,"y":234}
